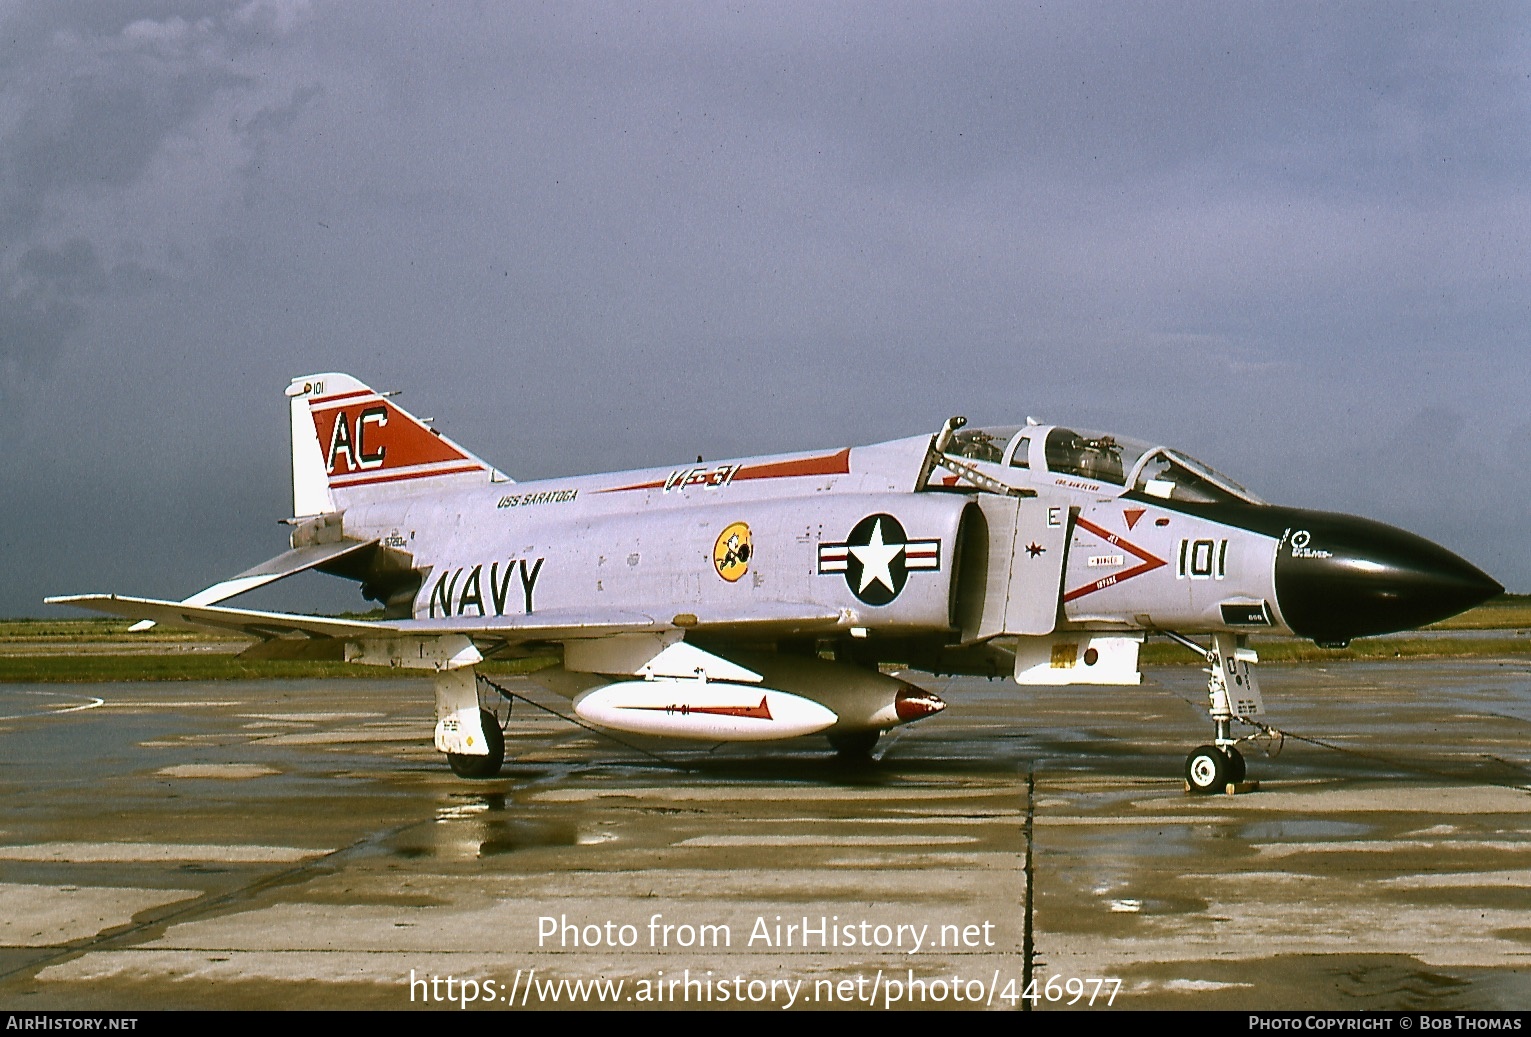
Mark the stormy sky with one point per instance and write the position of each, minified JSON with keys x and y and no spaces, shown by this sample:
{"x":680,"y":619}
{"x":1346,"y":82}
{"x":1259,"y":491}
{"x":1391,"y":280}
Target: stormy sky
{"x":1290,"y":239}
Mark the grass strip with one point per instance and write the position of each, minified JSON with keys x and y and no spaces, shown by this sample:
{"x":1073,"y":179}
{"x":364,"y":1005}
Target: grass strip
{"x":88,"y":669}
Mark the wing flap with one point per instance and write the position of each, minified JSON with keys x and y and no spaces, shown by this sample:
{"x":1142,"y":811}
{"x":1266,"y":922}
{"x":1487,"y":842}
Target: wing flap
{"x":765,"y":619}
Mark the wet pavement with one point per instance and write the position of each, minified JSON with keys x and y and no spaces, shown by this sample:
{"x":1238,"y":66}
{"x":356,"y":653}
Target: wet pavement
{"x":273,"y":845}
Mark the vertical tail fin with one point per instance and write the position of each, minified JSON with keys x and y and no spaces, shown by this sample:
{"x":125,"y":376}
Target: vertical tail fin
{"x":349,"y":440}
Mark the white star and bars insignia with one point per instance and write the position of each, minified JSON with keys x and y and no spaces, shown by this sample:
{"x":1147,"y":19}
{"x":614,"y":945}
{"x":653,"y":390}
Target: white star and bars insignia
{"x":877,"y":558}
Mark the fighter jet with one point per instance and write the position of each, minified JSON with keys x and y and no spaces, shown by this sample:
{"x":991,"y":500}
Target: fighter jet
{"x":767,"y":597}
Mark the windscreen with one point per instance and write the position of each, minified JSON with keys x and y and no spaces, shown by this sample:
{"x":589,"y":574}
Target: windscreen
{"x":1171,"y":475}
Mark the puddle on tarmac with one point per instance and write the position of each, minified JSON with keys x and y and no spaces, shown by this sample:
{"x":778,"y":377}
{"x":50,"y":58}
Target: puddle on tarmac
{"x":1397,"y":984}
{"x":1156,"y":906}
{"x":474,"y":833}
{"x":1302,"y":828}
{"x":527,"y":835}
{"x":470,"y":805}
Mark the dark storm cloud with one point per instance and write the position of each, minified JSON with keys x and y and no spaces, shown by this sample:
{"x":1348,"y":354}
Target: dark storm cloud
{"x":102,"y":128}
{"x":1166,"y":147}
{"x":1078,"y":94}
{"x":97,"y":92}
{"x":41,"y":303}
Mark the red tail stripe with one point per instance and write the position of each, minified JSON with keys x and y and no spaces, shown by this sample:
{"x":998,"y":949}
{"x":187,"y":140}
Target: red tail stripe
{"x":829,"y":464}
{"x":396,"y":476}
{"x":316,"y":400}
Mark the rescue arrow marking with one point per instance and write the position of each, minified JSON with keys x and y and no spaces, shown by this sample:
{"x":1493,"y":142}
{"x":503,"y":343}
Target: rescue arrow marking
{"x":1149,"y":564}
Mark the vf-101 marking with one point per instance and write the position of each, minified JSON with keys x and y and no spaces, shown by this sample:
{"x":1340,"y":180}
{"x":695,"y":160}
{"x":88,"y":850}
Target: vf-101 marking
{"x":755,"y":599}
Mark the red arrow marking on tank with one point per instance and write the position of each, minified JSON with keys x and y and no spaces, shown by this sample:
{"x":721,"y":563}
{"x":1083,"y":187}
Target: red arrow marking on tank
{"x":760,"y":712}
{"x":1149,"y":564}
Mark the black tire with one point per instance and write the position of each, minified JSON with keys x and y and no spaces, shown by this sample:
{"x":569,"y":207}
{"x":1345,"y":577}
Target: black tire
{"x":854,"y":744}
{"x":1236,"y":769}
{"x":482,"y":766}
{"x":1206,"y":770}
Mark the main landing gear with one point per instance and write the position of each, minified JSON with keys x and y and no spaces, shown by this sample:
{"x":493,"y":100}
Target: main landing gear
{"x":1233,"y":694}
{"x":854,"y":745}
{"x":465,"y":766}
{"x":468,"y":735}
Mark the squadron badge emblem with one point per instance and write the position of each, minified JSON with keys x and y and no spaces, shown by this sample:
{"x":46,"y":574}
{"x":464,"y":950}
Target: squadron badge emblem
{"x":731,"y":552}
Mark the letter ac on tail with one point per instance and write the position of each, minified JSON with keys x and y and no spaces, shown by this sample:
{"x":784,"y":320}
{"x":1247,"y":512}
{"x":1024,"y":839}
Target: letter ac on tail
{"x":350,"y":443}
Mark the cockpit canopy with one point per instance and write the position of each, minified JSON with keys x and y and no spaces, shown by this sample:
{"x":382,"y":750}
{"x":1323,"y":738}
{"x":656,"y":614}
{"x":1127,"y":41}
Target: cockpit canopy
{"x":1127,"y":465}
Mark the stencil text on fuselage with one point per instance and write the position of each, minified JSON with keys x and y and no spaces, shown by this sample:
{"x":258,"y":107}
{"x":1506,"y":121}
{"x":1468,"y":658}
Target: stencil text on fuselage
{"x":485,"y":590}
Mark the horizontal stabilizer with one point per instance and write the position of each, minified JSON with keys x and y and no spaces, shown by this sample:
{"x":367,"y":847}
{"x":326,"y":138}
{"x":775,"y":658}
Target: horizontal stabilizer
{"x":289,"y":563}
{"x":299,"y":559}
{"x":215,"y":617}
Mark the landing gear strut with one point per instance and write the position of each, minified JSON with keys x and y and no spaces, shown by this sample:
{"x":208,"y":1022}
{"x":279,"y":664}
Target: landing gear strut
{"x":1235,"y":764}
{"x":1233,"y":694}
{"x":464,"y":726}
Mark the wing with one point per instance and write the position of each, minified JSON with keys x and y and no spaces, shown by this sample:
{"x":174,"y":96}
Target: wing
{"x":549,"y":626}
{"x":769,"y":619}
{"x":289,"y":563}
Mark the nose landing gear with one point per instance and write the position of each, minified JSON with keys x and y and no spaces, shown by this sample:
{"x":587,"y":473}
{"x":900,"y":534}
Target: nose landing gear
{"x":1213,"y":768}
{"x":1233,"y":694}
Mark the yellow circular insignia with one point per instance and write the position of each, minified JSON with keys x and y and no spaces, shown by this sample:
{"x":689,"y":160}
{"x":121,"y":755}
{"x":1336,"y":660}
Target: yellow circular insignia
{"x":731,"y":552}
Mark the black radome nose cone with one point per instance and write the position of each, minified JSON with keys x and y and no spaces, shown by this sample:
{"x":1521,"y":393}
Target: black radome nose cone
{"x":1339,"y":577}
